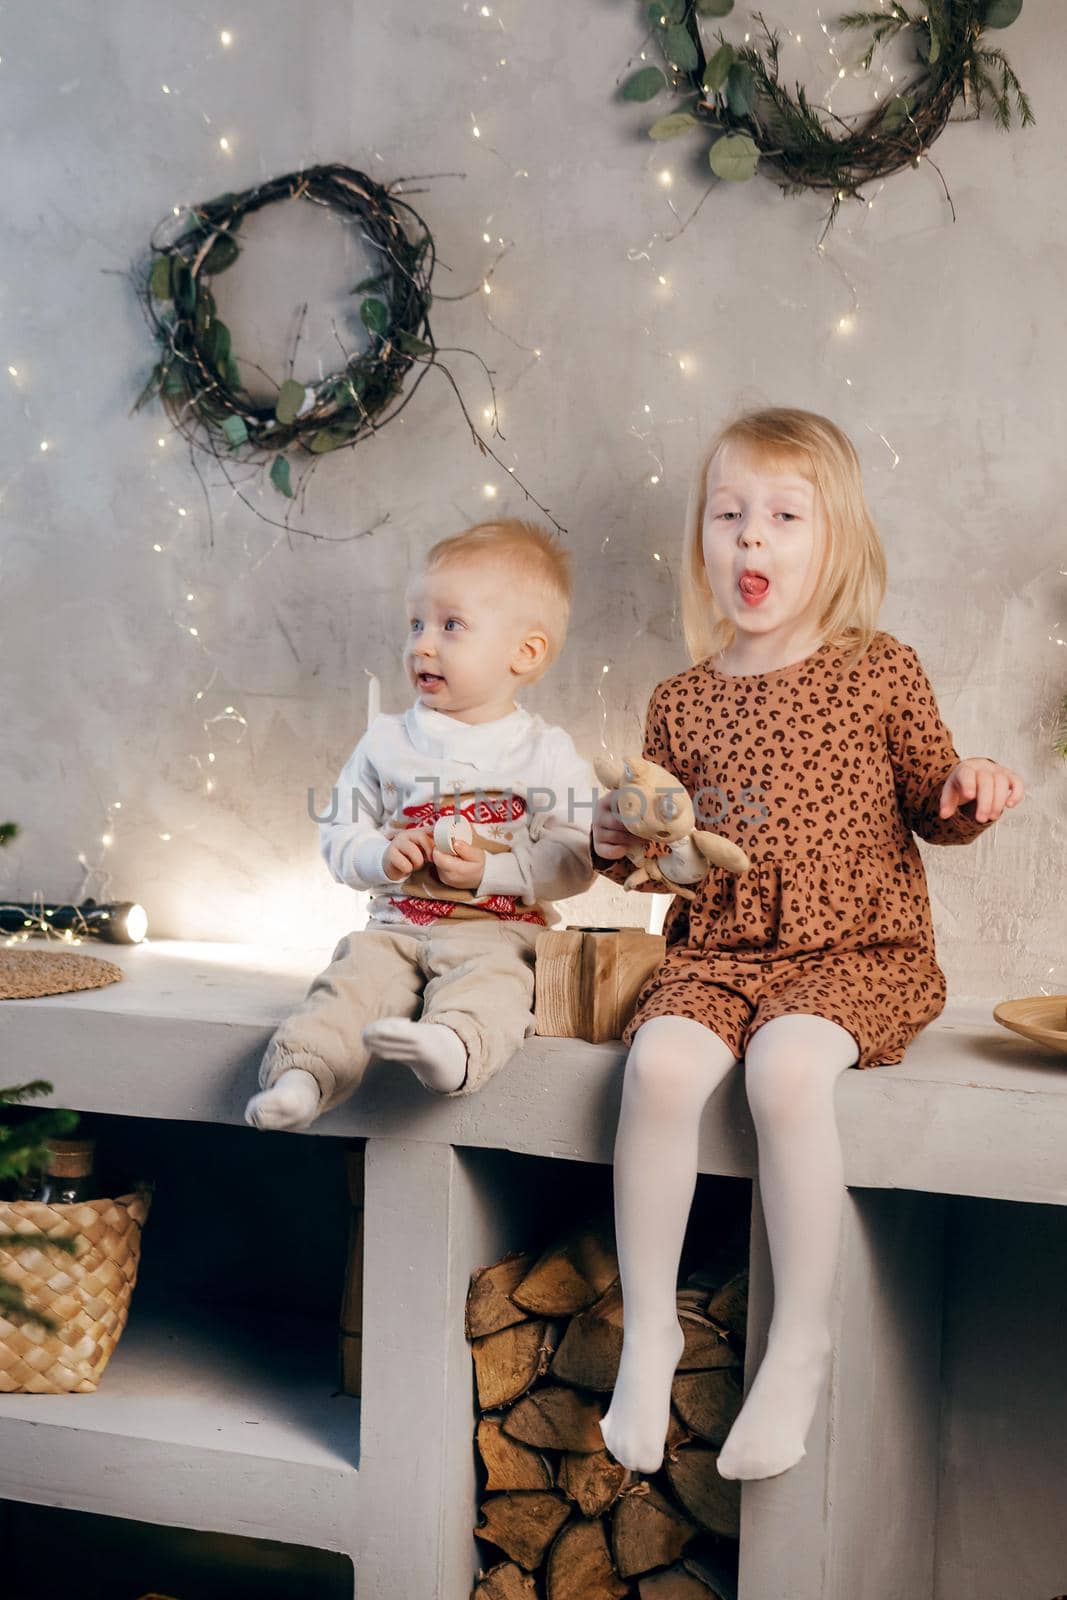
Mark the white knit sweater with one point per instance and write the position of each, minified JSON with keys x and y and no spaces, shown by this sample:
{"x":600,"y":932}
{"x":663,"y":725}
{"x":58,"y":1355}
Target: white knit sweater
{"x":521,"y":783}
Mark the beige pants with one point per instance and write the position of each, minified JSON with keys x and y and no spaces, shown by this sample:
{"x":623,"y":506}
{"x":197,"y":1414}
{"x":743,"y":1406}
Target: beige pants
{"x":475,"y":975}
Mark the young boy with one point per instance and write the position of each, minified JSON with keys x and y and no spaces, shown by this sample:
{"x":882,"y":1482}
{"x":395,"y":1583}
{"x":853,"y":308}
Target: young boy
{"x":456,"y":905}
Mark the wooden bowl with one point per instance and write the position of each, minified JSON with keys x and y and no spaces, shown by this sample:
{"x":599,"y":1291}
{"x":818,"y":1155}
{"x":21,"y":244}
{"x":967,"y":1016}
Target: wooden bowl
{"x":1041,"y":1017}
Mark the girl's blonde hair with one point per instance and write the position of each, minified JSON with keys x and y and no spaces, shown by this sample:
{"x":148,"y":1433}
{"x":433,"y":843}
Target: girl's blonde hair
{"x":853,"y":576}
{"x":530,"y":555}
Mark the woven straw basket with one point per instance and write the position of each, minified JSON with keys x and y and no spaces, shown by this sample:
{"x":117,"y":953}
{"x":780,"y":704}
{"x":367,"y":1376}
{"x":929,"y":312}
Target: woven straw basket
{"x":88,"y":1293}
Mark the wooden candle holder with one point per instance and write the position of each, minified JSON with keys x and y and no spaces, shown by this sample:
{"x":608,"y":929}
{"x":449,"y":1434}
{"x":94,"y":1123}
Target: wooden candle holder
{"x":586,"y":980}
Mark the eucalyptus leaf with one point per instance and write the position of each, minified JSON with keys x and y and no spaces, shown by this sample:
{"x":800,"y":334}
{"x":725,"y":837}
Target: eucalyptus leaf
{"x":290,"y":399}
{"x":734,"y":157}
{"x":279,"y":476}
{"x":741,"y":89}
{"x":714,"y":8}
{"x":173,"y":381}
{"x":235,"y":430}
{"x":673,"y":10}
{"x":329,"y":439}
{"x":657,"y":16}
{"x":375,"y":314}
{"x":935,"y":41}
{"x":232,"y":373}
{"x":679,"y":49}
{"x":718,"y":68}
{"x":182,"y":285}
{"x":218,"y":342}
{"x":643,"y":85}
{"x":223,"y":254}
{"x":412,"y":346}
{"x":365,"y":285}
{"x":159,"y":283}
{"x":670,"y":127}
{"x":896,"y":112}
{"x":999,"y":13}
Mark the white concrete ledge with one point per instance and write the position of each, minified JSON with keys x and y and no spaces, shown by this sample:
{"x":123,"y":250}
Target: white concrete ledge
{"x":973,"y":1109}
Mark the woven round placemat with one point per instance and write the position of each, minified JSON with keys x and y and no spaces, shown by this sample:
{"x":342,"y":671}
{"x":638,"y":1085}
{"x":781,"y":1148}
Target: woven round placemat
{"x":28,"y":974}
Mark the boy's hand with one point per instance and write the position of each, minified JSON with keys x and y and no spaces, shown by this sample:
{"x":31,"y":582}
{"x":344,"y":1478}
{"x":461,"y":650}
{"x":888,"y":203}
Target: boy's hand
{"x":462,"y":870}
{"x":411,"y":848}
{"x":611,"y":837}
{"x":981,"y":778}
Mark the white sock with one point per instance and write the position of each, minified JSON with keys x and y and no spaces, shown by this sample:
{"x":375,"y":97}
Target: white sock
{"x":291,"y":1102}
{"x":673,"y":1066}
{"x":434,"y":1051}
{"x":791,"y":1067}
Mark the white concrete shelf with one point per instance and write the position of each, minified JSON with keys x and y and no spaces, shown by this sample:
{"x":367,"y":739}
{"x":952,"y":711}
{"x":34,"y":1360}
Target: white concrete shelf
{"x":215,"y":1418}
{"x":972,"y":1110}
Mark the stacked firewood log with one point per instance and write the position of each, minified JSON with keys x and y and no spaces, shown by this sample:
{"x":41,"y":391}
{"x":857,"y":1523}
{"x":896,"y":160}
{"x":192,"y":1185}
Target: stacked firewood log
{"x":571,"y":1522}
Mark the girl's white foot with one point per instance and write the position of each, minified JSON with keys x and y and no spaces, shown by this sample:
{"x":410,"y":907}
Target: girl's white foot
{"x":291,"y":1102}
{"x":769,"y":1431}
{"x":634,"y":1427}
{"x":435,"y":1052}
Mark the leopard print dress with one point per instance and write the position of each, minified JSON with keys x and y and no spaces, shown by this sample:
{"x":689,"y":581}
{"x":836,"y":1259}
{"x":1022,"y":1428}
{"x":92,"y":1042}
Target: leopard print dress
{"x":822,"y":771}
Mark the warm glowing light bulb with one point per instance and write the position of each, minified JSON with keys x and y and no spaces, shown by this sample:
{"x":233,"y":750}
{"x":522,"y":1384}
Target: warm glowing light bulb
{"x":665,"y":177}
{"x":194,"y":633}
{"x":14,"y":371}
{"x":161,"y":443}
{"x":663,"y":280}
{"x":225,"y":37}
{"x":647,"y":410}
{"x":846,"y":323}
{"x":182,"y":511}
{"x":489,"y":490}
{"x":654,"y":478}
{"x":487,"y":288}
{"x":224,"y":143}
{"x":477,"y":132}
{"x":165,"y":837}
{"x":488,"y":238}
{"x":157,"y":548}
{"x":44,"y":444}
{"x":165,"y":87}
{"x":488,"y":413}
{"x":106,"y":840}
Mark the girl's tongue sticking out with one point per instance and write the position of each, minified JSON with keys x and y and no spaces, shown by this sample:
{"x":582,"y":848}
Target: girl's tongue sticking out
{"x":753,"y":587}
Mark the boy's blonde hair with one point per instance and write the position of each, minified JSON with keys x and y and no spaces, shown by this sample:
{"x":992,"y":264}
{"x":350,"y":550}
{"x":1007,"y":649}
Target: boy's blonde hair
{"x":853,"y":576}
{"x":531,"y":555}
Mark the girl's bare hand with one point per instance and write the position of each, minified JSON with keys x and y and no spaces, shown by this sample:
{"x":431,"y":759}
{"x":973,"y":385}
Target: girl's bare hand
{"x":611,"y":838}
{"x":983,"y":779}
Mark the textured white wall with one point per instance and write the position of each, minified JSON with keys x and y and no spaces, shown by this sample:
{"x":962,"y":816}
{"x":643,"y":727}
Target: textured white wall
{"x":949,"y":381}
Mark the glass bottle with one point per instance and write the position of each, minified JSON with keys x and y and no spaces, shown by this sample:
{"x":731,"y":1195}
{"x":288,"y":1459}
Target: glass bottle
{"x":67,"y":1175}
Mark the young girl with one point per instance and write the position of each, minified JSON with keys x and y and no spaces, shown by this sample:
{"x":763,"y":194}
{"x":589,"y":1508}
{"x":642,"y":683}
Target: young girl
{"x":814,"y":741}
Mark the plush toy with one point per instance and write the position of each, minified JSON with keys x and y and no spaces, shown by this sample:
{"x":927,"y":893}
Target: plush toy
{"x":652,"y":804}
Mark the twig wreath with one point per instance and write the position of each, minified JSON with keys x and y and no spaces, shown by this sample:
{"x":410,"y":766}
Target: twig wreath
{"x":198,"y":376}
{"x":736,"y":92}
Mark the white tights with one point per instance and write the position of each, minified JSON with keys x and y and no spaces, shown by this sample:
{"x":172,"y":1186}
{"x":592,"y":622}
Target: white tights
{"x":791,"y":1066}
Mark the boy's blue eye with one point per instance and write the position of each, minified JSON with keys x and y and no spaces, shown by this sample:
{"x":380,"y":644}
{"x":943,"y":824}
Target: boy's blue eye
{"x":452,"y":620}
